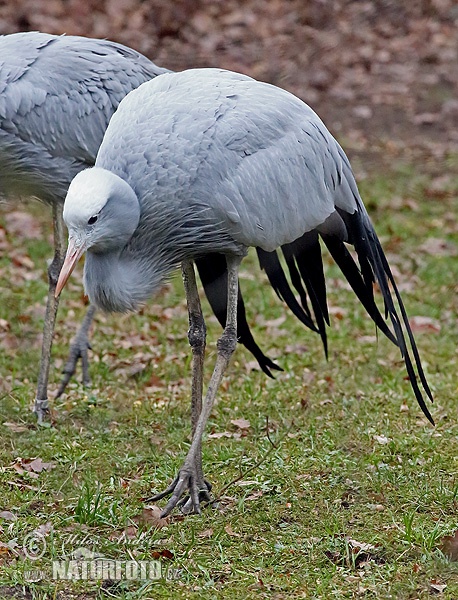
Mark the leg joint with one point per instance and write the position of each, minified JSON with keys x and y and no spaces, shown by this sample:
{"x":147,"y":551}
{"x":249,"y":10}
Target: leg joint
{"x":197,"y":332}
{"x":227,"y":342}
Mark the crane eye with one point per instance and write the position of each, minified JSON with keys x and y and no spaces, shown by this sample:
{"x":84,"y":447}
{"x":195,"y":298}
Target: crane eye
{"x":92,"y":220}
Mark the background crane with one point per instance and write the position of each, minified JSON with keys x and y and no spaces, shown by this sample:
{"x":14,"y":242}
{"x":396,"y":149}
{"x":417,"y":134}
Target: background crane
{"x":209,"y":161}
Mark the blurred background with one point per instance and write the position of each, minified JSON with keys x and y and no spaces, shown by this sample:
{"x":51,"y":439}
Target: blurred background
{"x":383,"y":74}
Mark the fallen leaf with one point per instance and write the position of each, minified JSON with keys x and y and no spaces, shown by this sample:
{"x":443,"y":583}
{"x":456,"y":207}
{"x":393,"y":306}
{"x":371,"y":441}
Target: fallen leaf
{"x":7,"y":515}
{"x":228,"y":529}
{"x":449,"y":546}
{"x":382,"y":439}
{"x":360,"y":546}
{"x":207,"y":533}
{"x":23,"y":486}
{"x":156,"y":554}
{"x":420,"y":324}
{"x":151,"y":516}
{"x":19,"y":223}
{"x":130,"y":532}
{"x":437,"y":588}
{"x":241,"y":423}
{"x":254,"y":496}
{"x":44,"y":529}
{"x":221,"y":434}
{"x":337,"y":311}
{"x":15,"y":427}
{"x":37,"y":466}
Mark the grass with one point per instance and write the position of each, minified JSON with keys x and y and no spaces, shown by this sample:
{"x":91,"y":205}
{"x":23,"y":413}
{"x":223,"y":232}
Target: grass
{"x":347,"y":495}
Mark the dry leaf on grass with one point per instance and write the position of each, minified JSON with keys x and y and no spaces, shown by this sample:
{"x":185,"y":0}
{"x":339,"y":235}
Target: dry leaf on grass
{"x":241,"y":423}
{"x":23,"y":225}
{"x":15,"y":427}
{"x":206,"y":533}
{"x":436,"y":587}
{"x":228,"y":529}
{"x":382,"y":439}
{"x":157,"y":554}
{"x":37,"y":465}
{"x":438,"y":247}
{"x":7,"y":515}
{"x":44,"y":529}
{"x":449,"y":546}
{"x":151,"y":517}
{"x":360,"y":546}
{"x":420,"y":324}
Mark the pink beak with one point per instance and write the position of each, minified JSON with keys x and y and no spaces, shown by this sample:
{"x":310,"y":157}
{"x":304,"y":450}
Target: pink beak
{"x":74,"y":252}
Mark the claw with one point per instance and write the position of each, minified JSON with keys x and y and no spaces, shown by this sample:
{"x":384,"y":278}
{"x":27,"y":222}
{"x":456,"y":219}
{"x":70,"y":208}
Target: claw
{"x":79,"y":349}
{"x":41,"y":409}
{"x":198,"y":492}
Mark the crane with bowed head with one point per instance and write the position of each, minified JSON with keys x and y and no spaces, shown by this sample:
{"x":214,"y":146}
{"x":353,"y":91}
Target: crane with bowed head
{"x":209,"y":161}
{"x":58,"y":94}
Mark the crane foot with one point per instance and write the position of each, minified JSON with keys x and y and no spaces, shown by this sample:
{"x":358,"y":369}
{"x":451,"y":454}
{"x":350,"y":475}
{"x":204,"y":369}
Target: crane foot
{"x":189,"y":479}
{"x":78,"y":350}
{"x":41,"y":409}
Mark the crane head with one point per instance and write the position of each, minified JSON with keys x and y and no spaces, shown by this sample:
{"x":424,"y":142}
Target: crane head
{"x":101,"y":212}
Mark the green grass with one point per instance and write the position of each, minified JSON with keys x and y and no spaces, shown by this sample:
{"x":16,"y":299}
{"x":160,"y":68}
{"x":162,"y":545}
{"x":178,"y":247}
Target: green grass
{"x":354,"y":461}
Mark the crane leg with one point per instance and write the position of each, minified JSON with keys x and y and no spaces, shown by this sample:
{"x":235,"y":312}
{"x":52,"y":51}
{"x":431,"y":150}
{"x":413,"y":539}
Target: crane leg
{"x":41,"y":407}
{"x":78,"y":349}
{"x":190,"y":476}
{"x":80,"y":345}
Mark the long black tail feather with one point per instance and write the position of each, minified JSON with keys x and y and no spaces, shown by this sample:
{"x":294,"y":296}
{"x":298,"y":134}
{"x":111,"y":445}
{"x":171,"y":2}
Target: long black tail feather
{"x":270,"y":263}
{"x":212,"y":270}
{"x":304,"y":261}
{"x":362,"y":288}
{"x":368,"y":248}
{"x":304,"y":254}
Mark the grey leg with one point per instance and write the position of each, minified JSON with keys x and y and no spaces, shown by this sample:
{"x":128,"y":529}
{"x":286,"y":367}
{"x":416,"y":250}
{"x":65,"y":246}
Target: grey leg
{"x":190,"y":475}
{"x":78,"y":349}
{"x":41,"y":407}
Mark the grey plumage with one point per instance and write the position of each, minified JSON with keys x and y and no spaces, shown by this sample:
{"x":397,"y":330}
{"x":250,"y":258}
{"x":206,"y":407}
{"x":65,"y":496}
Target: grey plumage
{"x":57,"y":94}
{"x":212,"y":161}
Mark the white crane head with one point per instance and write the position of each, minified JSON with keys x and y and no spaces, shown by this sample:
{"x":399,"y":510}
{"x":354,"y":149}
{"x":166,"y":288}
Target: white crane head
{"x":101,"y":212}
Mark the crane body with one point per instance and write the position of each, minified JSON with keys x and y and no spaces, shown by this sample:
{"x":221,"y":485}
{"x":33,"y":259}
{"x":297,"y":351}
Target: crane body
{"x":208,"y":161}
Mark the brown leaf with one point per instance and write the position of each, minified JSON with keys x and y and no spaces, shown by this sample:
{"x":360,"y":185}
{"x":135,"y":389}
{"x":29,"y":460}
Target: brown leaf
{"x":228,"y":529}
{"x":360,"y":546}
{"x":15,"y":427}
{"x":221,"y":434}
{"x":23,"y":224}
{"x":241,"y":423}
{"x":207,"y":533}
{"x":7,"y":515}
{"x":130,"y":532}
{"x":23,"y":486}
{"x":437,"y":588}
{"x":44,"y":529}
{"x":337,"y":311}
{"x":438,"y":247}
{"x":449,"y":546}
{"x":420,"y":324}
{"x":157,"y":554}
{"x":254,"y":496}
{"x":151,"y":517}
{"x":37,"y":466}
